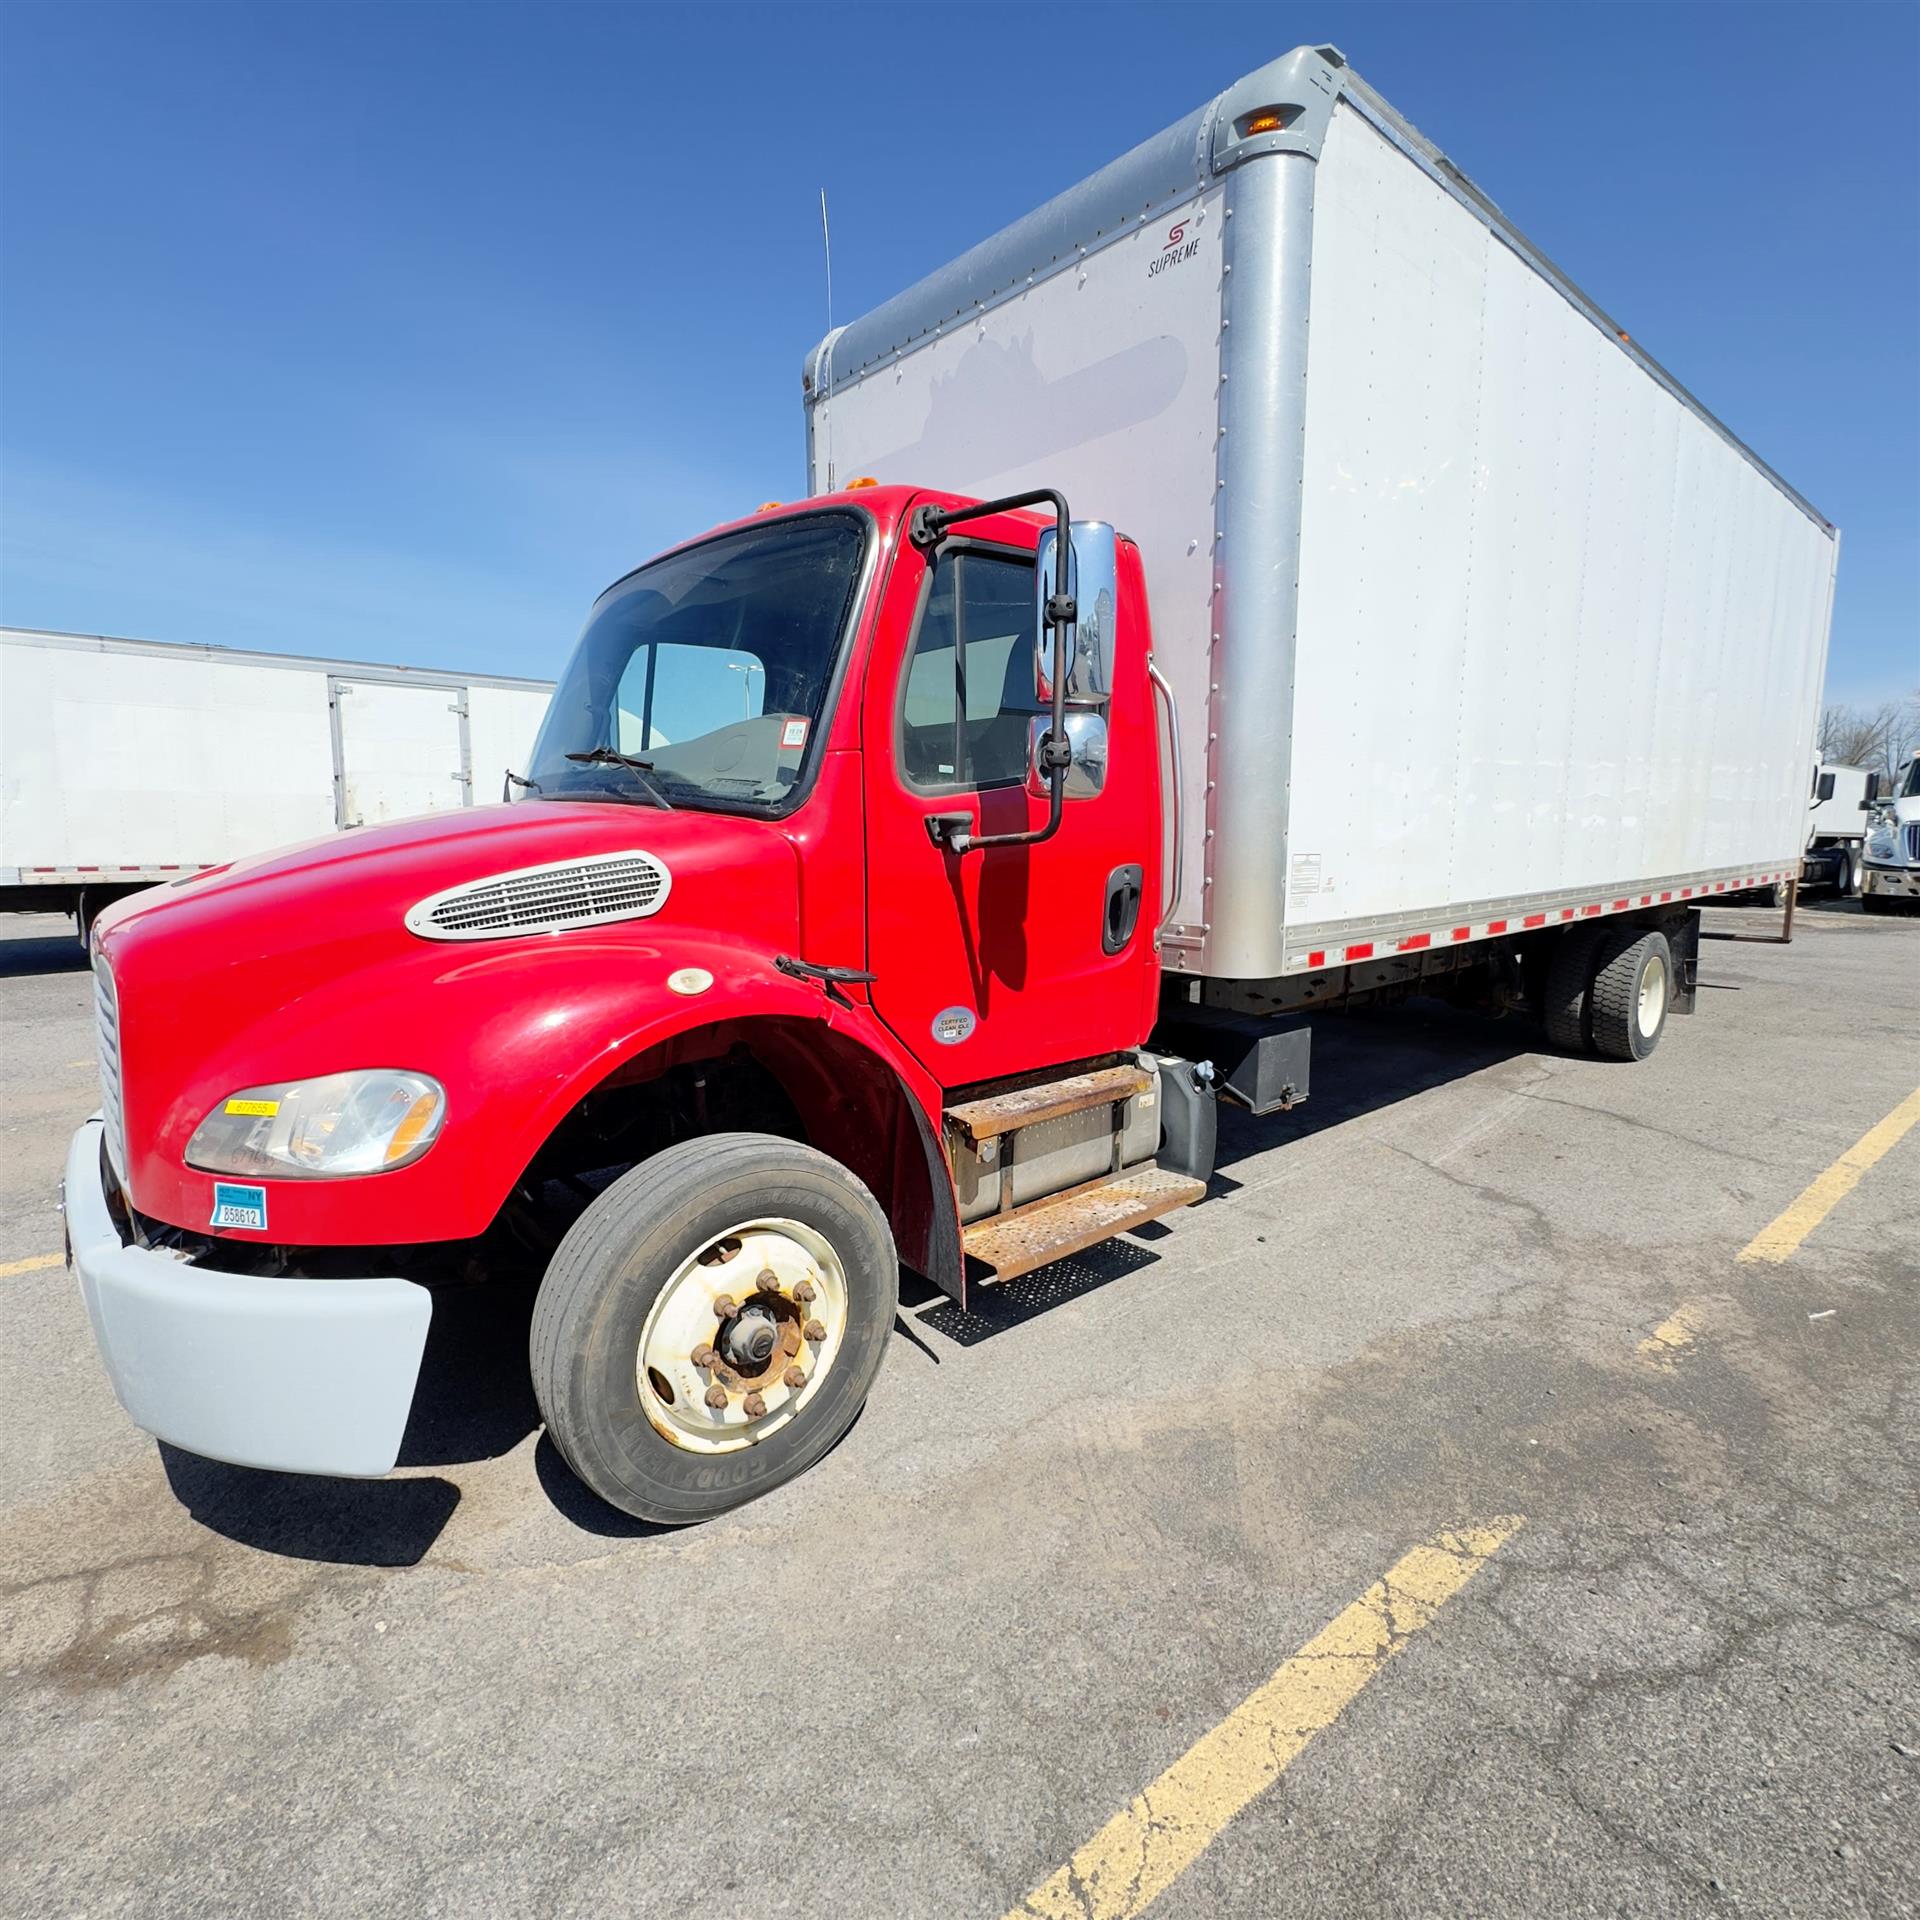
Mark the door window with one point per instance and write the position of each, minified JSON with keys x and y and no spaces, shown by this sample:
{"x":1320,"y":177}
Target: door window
{"x":969,"y":690}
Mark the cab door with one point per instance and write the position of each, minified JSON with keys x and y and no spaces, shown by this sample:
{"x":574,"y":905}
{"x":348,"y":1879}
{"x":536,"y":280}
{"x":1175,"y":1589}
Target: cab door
{"x":999,"y":960}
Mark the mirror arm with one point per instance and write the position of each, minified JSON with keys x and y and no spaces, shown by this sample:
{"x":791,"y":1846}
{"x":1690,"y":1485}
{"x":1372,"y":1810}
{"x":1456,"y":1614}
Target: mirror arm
{"x":926,"y":528}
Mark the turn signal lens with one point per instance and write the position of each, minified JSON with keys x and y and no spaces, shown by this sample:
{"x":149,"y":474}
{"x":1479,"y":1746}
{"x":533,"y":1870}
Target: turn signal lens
{"x":865,"y":480}
{"x":1267,"y":120}
{"x":767,"y":506}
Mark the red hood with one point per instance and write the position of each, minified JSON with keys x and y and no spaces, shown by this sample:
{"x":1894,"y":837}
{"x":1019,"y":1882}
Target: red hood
{"x":299,"y":963}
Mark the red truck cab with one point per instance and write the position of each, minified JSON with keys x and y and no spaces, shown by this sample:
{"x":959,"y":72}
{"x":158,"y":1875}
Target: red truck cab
{"x":806,"y":951}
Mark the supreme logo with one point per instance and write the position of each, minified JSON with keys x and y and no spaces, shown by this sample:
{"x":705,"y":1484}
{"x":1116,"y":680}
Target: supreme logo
{"x":1175,"y":248}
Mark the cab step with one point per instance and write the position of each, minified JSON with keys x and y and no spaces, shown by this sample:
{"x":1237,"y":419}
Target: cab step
{"x":1010,"y":1244}
{"x":977,"y":1121}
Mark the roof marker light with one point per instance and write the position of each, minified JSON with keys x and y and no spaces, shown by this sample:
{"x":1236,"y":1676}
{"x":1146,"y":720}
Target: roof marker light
{"x":863,"y":480}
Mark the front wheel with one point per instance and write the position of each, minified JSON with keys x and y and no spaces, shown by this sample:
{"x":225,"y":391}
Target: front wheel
{"x":1846,"y":879}
{"x":712,"y":1324}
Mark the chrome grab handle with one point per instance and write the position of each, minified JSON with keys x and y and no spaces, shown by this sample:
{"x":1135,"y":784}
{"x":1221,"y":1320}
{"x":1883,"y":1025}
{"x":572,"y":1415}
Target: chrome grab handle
{"x":1164,"y":688}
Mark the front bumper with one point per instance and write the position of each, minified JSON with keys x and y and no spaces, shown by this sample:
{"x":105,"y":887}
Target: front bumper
{"x":308,"y":1376}
{"x":1902,"y":883}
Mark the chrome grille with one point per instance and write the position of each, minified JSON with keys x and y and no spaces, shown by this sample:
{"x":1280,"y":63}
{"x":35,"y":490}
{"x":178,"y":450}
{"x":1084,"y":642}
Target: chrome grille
{"x":1913,"y":842}
{"x":106,"y":1014}
{"x":545,"y":899}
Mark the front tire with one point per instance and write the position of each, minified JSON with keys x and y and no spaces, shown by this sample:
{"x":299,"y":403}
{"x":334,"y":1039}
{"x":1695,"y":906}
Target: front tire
{"x":628,"y":1350}
{"x":1632,"y":991}
{"x":1846,"y":880}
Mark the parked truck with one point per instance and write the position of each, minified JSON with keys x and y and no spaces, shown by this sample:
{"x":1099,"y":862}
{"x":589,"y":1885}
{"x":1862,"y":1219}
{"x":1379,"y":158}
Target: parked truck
{"x":126,"y":763}
{"x":1891,"y":876}
{"x":906,"y":872}
{"x":1839,"y":811}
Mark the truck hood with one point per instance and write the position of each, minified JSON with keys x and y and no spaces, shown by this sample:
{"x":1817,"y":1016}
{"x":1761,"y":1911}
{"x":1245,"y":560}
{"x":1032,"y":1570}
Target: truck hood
{"x":300,"y":963}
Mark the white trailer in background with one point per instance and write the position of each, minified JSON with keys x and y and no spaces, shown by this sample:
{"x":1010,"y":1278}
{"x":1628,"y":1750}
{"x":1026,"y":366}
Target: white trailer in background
{"x":124,"y":763}
{"x":1477,"y":620}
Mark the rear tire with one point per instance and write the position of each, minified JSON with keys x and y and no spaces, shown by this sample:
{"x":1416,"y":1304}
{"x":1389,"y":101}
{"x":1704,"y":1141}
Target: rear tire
{"x":1632,"y":992}
{"x":1846,"y":879}
{"x":626,"y":1413}
{"x":1569,"y":978}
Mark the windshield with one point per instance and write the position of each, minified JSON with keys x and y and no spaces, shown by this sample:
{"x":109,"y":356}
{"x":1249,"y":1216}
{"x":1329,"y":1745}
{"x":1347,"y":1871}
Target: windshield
{"x":1910,"y":788}
{"x":710,"y":667}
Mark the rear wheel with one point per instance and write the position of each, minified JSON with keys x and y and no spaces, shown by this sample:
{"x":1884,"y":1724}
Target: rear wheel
{"x":1569,"y":978}
{"x":1846,"y":877}
{"x":712,"y":1324}
{"x":1632,"y":991}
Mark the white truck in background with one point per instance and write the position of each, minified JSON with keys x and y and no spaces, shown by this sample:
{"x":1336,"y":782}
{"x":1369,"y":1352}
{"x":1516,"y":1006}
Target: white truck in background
{"x":126,"y":763}
{"x":1891,"y":883}
{"x":1843,"y":799}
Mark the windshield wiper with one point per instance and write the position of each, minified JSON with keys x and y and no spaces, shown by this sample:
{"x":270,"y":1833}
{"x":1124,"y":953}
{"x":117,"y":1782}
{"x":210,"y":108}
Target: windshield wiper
{"x":640,"y":769}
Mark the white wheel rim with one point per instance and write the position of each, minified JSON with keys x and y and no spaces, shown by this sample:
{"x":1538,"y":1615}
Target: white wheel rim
{"x":685,"y":1320}
{"x":1653,"y":997}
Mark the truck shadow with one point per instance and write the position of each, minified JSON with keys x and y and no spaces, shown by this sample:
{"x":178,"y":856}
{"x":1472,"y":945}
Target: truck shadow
{"x":22,"y":959}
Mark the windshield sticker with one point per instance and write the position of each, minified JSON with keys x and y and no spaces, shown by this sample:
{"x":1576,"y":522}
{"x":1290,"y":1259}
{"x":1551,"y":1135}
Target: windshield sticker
{"x":794,"y":733}
{"x":239,"y":1207}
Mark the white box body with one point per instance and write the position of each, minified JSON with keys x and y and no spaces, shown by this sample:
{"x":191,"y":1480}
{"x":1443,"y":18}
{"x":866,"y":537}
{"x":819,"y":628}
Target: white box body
{"x":130,"y":759}
{"x":1473,"y":614}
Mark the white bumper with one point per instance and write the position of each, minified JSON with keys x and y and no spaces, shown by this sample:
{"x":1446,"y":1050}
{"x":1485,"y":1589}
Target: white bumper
{"x":308,"y":1376}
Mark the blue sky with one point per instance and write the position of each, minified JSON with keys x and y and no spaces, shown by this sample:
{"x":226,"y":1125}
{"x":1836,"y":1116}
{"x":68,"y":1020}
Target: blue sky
{"x":397,"y":331}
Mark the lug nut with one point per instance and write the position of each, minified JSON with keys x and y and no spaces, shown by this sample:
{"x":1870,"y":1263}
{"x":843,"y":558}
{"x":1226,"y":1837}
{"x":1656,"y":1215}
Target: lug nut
{"x":795,"y":1377}
{"x":724,"y":1307}
{"x":767,"y":1280}
{"x":753,"y":1406}
{"x":803,"y":1292}
{"x":816,"y":1332}
{"x":703,"y":1355}
{"x":716,"y":1396}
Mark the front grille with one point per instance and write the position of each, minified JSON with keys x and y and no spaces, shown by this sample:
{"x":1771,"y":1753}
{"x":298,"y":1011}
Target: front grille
{"x":1913,"y":843}
{"x":106,"y":1014}
{"x":546,"y":899}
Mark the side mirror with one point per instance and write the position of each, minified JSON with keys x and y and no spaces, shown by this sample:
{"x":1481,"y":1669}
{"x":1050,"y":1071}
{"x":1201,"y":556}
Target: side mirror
{"x":1093,"y":578}
{"x":1823,"y":787}
{"x":1873,"y":792}
{"x":1087,"y":736}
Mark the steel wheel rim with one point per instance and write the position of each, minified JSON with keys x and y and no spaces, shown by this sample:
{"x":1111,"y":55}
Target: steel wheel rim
{"x":1653,"y":997}
{"x":684,"y":1320}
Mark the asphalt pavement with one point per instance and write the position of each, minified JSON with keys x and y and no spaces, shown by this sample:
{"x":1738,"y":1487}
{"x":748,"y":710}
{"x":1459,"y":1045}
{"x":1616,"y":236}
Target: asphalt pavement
{"x":1442,"y":1518}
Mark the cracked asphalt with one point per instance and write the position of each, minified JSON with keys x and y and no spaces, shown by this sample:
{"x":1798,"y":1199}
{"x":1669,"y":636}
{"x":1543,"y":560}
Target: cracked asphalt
{"x":1070,"y":1534}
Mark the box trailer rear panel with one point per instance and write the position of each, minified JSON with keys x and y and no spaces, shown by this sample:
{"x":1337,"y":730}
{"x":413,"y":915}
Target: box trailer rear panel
{"x":1472,"y":612}
{"x":125,"y":762}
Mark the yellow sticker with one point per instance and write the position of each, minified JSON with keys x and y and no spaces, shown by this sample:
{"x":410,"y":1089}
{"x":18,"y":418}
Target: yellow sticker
{"x":265,"y":1109}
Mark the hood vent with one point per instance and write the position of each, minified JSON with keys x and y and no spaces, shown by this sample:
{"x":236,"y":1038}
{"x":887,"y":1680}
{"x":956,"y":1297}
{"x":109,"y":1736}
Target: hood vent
{"x":545,"y":899}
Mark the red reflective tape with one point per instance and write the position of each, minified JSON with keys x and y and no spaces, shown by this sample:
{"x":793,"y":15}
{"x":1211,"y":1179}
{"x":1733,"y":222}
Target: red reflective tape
{"x":1566,"y":913}
{"x":1646,"y":899}
{"x":1496,"y":926}
{"x":1416,"y":940}
{"x":1595,"y":908}
{"x":1364,"y":951}
{"x":1620,"y":906}
{"x":81,"y":869}
{"x":1317,"y":959}
{"x":1463,"y":933}
{"x":1666,"y":896}
{"x":1534,"y":920}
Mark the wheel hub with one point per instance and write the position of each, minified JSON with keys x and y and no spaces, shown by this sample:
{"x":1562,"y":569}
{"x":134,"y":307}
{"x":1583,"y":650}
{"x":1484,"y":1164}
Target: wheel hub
{"x":742,"y":1336}
{"x":750,"y":1339}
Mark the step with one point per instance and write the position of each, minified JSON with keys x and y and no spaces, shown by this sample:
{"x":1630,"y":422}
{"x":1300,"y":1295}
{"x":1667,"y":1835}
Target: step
{"x":1014,"y":1243}
{"x":979,"y":1120}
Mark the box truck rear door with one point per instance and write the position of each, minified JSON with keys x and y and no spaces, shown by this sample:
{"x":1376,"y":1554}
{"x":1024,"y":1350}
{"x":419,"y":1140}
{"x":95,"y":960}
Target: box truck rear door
{"x":397,"y":750}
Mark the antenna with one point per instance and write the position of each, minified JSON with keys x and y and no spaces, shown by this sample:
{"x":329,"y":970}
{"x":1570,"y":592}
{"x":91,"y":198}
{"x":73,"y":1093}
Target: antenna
{"x":826,"y":397}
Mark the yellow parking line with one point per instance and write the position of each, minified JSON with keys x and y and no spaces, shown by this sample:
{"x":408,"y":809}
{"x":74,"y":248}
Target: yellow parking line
{"x":1778,"y":1240}
{"x":1671,"y":1338}
{"x":1140,"y":1852}
{"x":34,"y":1265}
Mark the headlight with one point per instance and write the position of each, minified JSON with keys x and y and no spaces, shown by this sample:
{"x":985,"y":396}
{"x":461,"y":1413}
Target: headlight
{"x":367,"y":1122}
{"x":1882,"y":843}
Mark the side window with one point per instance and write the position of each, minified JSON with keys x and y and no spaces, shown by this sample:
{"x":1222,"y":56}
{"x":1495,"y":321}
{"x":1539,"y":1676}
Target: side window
{"x":969,"y":685}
